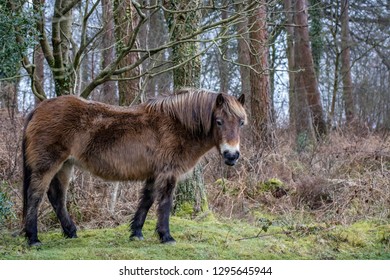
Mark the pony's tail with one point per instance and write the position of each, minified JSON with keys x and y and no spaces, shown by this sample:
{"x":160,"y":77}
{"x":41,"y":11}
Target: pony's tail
{"x":26,"y":168}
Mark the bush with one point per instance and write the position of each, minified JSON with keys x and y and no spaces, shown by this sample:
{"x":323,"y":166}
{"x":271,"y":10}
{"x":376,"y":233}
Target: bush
{"x":6,"y":205}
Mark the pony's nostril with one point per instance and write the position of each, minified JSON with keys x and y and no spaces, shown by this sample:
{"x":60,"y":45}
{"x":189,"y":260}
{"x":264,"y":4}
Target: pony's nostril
{"x":231,"y":156}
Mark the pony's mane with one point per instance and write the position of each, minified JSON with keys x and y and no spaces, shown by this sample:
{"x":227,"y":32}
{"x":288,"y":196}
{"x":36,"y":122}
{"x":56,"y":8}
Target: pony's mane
{"x":194,"y":108}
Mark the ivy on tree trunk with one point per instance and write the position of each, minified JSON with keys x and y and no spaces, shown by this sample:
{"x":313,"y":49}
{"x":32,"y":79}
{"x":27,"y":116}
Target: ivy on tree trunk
{"x":191,"y":191}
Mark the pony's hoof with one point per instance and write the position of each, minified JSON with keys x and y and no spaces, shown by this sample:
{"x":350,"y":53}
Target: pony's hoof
{"x":136,"y":238}
{"x":35,"y":243}
{"x":169,"y":240}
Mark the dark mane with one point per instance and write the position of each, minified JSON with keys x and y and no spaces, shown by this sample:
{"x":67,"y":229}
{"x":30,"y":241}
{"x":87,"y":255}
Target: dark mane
{"x":194,"y":108}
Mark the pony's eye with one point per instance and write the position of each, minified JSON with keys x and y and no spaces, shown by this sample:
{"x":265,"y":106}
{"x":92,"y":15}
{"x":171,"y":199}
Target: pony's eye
{"x":219,"y":122}
{"x":242,"y":122}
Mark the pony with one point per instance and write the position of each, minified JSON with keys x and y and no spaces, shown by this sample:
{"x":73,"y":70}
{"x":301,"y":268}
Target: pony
{"x":158,"y":141}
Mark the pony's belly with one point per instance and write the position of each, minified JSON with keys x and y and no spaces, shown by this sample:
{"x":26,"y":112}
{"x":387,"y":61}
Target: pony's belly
{"x":116,"y":171}
{"x":120,"y":175}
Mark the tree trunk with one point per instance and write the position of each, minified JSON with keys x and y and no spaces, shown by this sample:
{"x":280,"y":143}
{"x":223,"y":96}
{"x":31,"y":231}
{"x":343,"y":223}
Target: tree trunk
{"x":292,"y":100}
{"x":9,"y":97}
{"x":180,"y":25}
{"x":259,"y":78}
{"x":155,"y":34}
{"x":305,"y":63}
{"x":223,"y":65}
{"x":61,"y":32}
{"x":346,"y":64}
{"x":315,"y":33}
{"x":39,"y":68}
{"x":243,"y":55}
{"x":304,"y":132}
{"x":107,"y":94}
{"x":125,"y":19}
{"x":190,"y":192}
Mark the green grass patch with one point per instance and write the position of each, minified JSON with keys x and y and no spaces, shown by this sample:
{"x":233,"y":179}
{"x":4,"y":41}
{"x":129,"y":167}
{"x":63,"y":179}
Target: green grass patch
{"x":211,"y":239}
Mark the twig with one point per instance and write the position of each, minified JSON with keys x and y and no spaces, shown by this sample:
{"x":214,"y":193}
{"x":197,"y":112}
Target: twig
{"x":288,"y":233}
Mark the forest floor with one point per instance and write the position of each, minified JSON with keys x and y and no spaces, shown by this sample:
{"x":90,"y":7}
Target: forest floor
{"x":212,"y":238}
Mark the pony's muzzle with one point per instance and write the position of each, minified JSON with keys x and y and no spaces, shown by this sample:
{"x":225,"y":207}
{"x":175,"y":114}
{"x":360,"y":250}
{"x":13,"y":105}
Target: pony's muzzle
{"x":231,"y":157}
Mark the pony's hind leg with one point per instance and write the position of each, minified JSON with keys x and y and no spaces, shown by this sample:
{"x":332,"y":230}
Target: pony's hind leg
{"x":34,"y":195}
{"x":145,"y":203}
{"x":57,"y":197}
{"x":34,"y":192}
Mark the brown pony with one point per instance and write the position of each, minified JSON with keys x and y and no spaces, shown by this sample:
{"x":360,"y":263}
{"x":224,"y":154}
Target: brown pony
{"x":158,"y":141}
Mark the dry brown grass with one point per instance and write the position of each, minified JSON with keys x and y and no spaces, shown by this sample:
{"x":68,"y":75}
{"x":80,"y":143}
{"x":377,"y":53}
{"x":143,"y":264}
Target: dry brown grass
{"x":341,"y":180}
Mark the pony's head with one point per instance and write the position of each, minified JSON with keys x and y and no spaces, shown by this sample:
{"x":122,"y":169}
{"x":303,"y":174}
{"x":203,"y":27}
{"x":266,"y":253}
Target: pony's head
{"x":228,"y":117}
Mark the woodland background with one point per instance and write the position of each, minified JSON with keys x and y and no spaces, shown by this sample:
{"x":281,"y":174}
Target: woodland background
{"x":316,"y":75}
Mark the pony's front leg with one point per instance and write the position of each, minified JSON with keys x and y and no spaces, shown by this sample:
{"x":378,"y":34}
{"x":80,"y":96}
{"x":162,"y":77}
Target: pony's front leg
{"x":145,"y":203}
{"x":164,"y":209}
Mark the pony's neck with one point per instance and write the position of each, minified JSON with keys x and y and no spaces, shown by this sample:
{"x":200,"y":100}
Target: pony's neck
{"x":200,"y":145}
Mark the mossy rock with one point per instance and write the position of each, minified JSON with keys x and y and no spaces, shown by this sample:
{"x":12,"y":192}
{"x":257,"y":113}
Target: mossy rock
{"x":273,"y":185}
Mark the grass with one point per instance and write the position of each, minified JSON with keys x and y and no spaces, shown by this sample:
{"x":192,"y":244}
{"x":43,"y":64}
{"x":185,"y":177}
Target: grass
{"x":211,"y":239}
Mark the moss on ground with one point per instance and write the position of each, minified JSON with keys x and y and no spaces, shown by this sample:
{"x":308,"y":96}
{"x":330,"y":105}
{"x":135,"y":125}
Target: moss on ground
{"x":211,"y":239}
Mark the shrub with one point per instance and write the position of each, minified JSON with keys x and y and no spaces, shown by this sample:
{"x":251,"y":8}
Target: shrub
{"x":6,"y":205}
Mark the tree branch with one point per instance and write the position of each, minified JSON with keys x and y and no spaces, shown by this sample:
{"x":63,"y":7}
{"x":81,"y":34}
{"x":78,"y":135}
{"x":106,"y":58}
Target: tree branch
{"x":84,"y":43}
{"x":105,"y":74}
{"x":69,"y":7}
{"x":43,"y":41}
{"x":35,"y":86}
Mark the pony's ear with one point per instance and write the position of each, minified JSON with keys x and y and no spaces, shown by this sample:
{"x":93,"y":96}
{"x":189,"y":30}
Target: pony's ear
{"x":241,"y":99}
{"x":220,"y":100}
